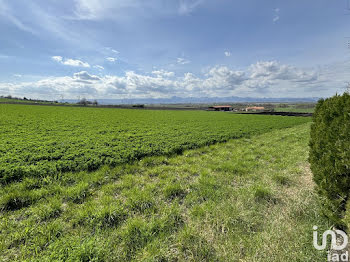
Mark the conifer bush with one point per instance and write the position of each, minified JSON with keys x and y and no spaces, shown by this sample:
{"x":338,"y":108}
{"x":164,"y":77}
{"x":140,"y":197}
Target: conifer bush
{"x":330,"y":154}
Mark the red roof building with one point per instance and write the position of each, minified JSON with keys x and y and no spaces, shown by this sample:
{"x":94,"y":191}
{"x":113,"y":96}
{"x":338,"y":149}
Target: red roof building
{"x":255,"y":108}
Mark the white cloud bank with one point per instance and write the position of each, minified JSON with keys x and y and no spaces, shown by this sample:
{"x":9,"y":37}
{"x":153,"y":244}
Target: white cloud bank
{"x":265,"y":78}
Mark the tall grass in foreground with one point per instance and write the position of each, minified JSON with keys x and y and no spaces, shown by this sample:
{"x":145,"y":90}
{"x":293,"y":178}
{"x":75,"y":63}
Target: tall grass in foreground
{"x":250,"y":199}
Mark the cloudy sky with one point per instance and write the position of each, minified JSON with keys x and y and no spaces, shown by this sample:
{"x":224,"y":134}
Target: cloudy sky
{"x":161,"y":48}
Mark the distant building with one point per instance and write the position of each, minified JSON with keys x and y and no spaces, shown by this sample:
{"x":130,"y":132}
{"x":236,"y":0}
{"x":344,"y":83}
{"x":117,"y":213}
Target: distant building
{"x":254,"y":108}
{"x":221,"y":108}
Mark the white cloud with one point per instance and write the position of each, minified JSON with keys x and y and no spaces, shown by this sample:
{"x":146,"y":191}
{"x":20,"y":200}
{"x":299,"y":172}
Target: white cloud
{"x":99,"y":67}
{"x":78,"y":63}
{"x":163,"y":73}
{"x":111,"y":59}
{"x":83,"y":75}
{"x":109,"y":51}
{"x":272,"y":70}
{"x":17,"y":75}
{"x":142,"y":84}
{"x":227,"y":53}
{"x":6,"y":12}
{"x":265,"y":78}
{"x":222,"y":80}
{"x":191,"y":83}
{"x":70,"y":62}
{"x":188,"y":6}
{"x":57,"y":58}
{"x":182,"y":61}
{"x":41,"y":20}
{"x":276,"y":16}
{"x":97,"y":9}
{"x":112,"y":50}
{"x":127,"y":9}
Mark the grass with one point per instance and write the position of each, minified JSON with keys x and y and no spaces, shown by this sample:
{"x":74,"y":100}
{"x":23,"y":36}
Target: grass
{"x":250,"y":199}
{"x":294,"y":109}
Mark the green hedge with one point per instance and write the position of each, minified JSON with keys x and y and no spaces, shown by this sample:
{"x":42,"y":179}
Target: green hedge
{"x":330,"y":154}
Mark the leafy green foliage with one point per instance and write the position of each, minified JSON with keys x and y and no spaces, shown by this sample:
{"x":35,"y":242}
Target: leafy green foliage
{"x":330,"y":153}
{"x":39,"y":140}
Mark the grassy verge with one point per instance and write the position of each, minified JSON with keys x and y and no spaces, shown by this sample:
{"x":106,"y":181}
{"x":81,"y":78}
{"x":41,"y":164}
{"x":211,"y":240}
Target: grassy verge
{"x":249,"y":199}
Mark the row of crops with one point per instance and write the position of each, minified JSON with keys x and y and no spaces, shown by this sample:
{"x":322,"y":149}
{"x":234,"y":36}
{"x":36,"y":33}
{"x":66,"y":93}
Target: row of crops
{"x":40,"y":140}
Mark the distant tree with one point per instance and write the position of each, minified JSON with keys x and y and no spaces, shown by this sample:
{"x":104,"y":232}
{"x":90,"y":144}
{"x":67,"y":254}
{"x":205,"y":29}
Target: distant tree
{"x":24,"y":98}
{"x":95,"y":103}
{"x":139,"y":106}
{"x":83,"y":101}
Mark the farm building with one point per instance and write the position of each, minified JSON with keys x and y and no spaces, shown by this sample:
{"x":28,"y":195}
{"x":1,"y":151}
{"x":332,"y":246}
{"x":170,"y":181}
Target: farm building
{"x":221,"y":108}
{"x":255,"y":108}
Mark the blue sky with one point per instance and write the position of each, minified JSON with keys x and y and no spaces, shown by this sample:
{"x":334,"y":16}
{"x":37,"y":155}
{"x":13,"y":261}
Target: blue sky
{"x":161,"y":48}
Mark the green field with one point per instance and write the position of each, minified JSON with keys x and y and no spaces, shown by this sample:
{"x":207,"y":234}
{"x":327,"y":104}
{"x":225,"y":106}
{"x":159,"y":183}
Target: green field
{"x":249,"y":199}
{"x":23,"y":101}
{"x":294,"y":109}
{"x":98,"y":184}
{"x":41,"y":140}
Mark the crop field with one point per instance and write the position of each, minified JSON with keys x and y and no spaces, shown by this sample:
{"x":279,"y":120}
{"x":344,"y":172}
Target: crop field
{"x":249,"y":199}
{"x":98,"y":184}
{"x":295,"y":108}
{"x":37,"y":141}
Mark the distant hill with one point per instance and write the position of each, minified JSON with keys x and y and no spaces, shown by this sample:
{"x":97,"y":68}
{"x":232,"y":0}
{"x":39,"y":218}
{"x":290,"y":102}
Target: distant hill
{"x":189,"y":100}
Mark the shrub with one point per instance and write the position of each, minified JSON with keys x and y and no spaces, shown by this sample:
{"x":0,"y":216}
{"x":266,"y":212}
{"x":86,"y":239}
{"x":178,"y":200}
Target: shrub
{"x":330,"y":153}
